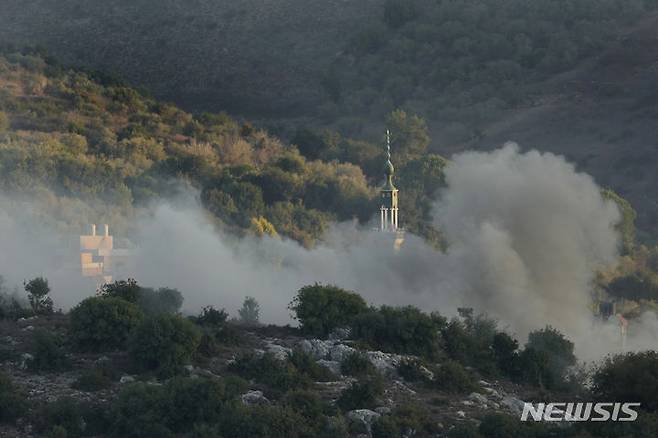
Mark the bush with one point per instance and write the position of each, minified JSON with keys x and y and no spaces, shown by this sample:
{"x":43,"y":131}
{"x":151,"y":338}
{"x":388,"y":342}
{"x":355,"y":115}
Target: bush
{"x":48,"y":352}
{"x":629,"y":377}
{"x":362,"y":394}
{"x":138,"y":412}
{"x":127,"y":290}
{"x":280,"y":376}
{"x":411,"y":370}
{"x":151,"y":302}
{"x":103,"y":323}
{"x":92,"y":380}
{"x":404,"y":330}
{"x":451,"y":376}
{"x":211,"y":317}
{"x":320,"y":309}
{"x":164,"y":343}
{"x":404,"y":419}
{"x":305,"y":364}
{"x":12,"y":400}
{"x":216,"y":330}
{"x":69,"y":418}
{"x":264,"y":422}
{"x":308,"y":404}
{"x":470,"y":340}
{"x":163,"y":300}
{"x":357,"y":364}
{"x":545,"y":359}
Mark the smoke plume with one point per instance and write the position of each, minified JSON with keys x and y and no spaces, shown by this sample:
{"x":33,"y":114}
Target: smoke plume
{"x":526,"y":233}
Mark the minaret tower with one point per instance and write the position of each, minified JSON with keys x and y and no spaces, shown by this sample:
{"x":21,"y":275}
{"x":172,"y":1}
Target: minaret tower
{"x":389,"y":194}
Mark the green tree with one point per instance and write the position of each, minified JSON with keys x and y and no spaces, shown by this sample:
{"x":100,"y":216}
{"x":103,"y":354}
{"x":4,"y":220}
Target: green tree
{"x":103,"y":323}
{"x":250,"y":311}
{"x":629,"y":377}
{"x":164,"y":343}
{"x":38,"y":290}
{"x":322,"y":308}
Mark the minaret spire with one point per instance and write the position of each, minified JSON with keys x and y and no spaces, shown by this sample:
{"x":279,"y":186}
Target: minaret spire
{"x":389,"y":193}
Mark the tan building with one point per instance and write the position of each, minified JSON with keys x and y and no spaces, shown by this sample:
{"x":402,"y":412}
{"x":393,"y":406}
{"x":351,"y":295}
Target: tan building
{"x":98,"y":257}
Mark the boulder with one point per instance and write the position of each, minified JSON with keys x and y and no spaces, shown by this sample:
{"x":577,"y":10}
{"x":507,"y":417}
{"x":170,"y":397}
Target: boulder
{"x":26,"y":358}
{"x":477,"y":398}
{"x":385,"y":363}
{"x":279,"y":351}
{"x":251,"y":398}
{"x":339,"y":351}
{"x":365,"y":417}
{"x":317,"y":348}
{"x":514,"y":404}
{"x":126,"y":379}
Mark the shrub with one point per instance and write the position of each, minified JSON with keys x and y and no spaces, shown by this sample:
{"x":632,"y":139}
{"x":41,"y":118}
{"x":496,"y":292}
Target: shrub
{"x":404,"y":330}
{"x":470,"y":340}
{"x":357,"y":364}
{"x":127,"y":290}
{"x":308,"y":404}
{"x":163,"y":343}
{"x":69,"y":418}
{"x":215,"y":330}
{"x":629,"y":377}
{"x":188,"y":401}
{"x":404,"y":419}
{"x":163,"y":300}
{"x":305,"y":364}
{"x":264,"y":422}
{"x":362,"y":394}
{"x":212,"y":317}
{"x":103,"y":323}
{"x":38,"y":290}
{"x":280,"y":376}
{"x":138,"y":412}
{"x":48,"y":352}
{"x":12,"y":400}
{"x":545,"y":359}
{"x":320,"y":309}
{"x":411,"y":370}
{"x":451,"y":376}
{"x":92,"y":380}
{"x":150,"y":301}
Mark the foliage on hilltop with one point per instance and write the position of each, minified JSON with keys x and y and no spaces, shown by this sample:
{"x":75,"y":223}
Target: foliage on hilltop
{"x":462,"y":62}
{"x":88,"y":146}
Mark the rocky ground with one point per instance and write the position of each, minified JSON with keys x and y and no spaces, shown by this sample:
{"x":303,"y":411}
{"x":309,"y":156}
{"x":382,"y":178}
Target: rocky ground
{"x":446,"y":409}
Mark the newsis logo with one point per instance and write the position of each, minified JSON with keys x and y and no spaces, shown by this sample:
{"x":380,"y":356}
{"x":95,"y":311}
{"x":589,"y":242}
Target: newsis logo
{"x":580,"y":411}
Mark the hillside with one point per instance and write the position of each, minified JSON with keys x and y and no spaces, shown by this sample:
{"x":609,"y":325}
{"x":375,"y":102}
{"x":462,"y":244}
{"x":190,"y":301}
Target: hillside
{"x":602,"y":116}
{"x":348,"y":371}
{"x":86,"y":147}
{"x":559,"y":76}
{"x":254,"y":57}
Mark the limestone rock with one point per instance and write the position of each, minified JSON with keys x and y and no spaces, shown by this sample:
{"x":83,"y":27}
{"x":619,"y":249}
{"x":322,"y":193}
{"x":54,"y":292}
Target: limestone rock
{"x":251,"y":398}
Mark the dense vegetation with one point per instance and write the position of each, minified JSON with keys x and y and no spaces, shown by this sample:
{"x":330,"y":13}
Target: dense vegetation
{"x":448,"y":357}
{"x":88,"y":147}
{"x":461,"y":62}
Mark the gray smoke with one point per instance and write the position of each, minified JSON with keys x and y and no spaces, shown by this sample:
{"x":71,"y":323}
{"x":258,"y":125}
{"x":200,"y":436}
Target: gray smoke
{"x":526,"y":234}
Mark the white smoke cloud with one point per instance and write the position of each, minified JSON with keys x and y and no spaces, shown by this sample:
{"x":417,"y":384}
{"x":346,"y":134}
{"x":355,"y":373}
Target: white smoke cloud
{"x":526,"y":234}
